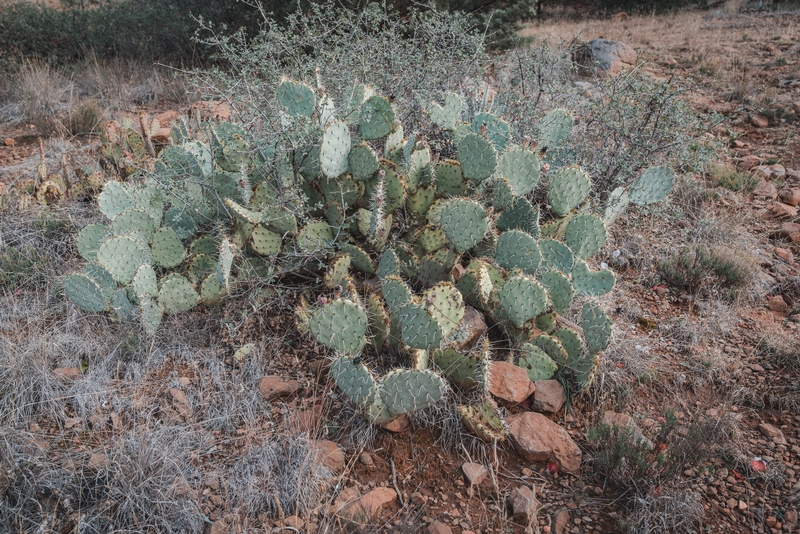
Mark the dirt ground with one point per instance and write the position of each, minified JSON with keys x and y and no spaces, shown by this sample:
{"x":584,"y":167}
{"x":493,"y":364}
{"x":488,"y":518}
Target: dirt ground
{"x":736,"y":365}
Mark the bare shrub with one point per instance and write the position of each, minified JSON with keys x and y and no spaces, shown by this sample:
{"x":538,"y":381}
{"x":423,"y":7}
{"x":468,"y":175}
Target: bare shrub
{"x":40,"y":95}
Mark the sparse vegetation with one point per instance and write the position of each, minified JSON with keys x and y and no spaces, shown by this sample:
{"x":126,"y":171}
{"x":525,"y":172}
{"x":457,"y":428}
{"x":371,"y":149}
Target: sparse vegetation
{"x":701,"y":269}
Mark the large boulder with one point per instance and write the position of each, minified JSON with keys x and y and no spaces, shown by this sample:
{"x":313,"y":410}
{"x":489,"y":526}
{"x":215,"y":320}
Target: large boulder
{"x":538,"y":439}
{"x":605,"y":57}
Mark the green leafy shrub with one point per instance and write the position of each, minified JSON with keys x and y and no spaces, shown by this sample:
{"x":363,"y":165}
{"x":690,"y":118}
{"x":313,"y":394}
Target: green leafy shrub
{"x":703,"y":269}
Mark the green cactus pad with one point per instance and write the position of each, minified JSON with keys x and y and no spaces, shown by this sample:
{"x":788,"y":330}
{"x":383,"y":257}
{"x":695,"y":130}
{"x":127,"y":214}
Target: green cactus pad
{"x":389,"y":264}
{"x":396,"y":293}
{"x":477,"y":157}
{"x":409,"y":262}
{"x":148,"y":199}
{"x":176,"y":294}
{"x":476,"y":286}
{"x":520,"y":167}
{"x":572,"y":344}
{"x":226,"y":185}
{"x":585,"y":370}
{"x":555,"y":228}
{"x":418,"y":202}
{"x":483,"y":421}
{"x":444,"y":302}
{"x":592,"y":283}
{"x":265,"y":242}
{"x":450,"y":181}
{"x":568,"y":189}
{"x":379,"y":322}
{"x":377,"y":413}
{"x":555,"y":127}
{"x":394,"y":188}
{"x":145,"y":283}
{"x":546,"y":322}
{"x":377,"y":118}
{"x":314,"y":237}
{"x":334,"y":214}
{"x":133,"y":220}
{"x":307,"y":163}
{"x":114,"y":199}
{"x":224,"y":263}
{"x":204,"y":245}
{"x":181,"y":221}
{"x":464,"y":223}
{"x":355,"y":380}
{"x":419,"y":167}
{"x":463,"y":370}
{"x":446,"y":116}
{"x":432,"y":270}
{"x":537,"y":363}
{"x":419,"y":329}
{"x":151,"y":313}
{"x":104,"y":279}
{"x":431,"y":238}
{"x":502,"y":193}
{"x":297,"y":99}
{"x":497,"y":130}
{"x":406,"y":391}
{"x":560,"y":290}
{"x":653,"y":185}
{"x":122,"y":255}
{"x":89,"y":240}
{"x":279,"y":220}
{"x":250,"y":216}
{"x":167,"y":248}
{"x":556,"y":256}
{"x":618,"y":200}
{"x":363,"y":162}
{"x":522,"y":299}
{"x":210,"y":290}
{"x":199,"y":267}
{"x":518,"y":250}
{"x":202,"y":154}
{"x":339,"y":325}
{"x":394,"y":140}
{"x":343,"y":189}
{"x":585,"y":235}
{"x":85,"y":293}
{"x":358,"y":258}
{"x":334,"y":149}
{"x":122,"y":306}
{"x":520,"y":215}
{"x":596,"y":327}
{"x":337,"y":271}
{"x":552,"y":347}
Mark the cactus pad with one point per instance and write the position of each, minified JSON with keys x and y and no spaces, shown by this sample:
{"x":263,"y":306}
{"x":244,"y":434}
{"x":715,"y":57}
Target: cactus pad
{"x":572,"y":344}
{"x":405,"y":391}
{"x":432,"y":238}
{"x":145,"y":283}
{"x":520,"y":215}
{"x":560,"y":290}
{"x":555,"y":127}
{"x":339,"y":325}
{"x":210,"y":290}
{"x":122,"y":255}
{"x":337,"y":271}
{"x":379,"y":322}
{"x":496,"y":129}
{"x":89,"y":240}
{"x":377,"y":118}
{"x":482,"y":420}
{"x":502,"y":193}
{"x":85,"y":293}
{"x":315,"y":236}
{"x":450,"y":181}
{"x":464,"y":223}
{"x":585,"y":235}
{"x":167,"y":248}
{"x":518,"y":250}
{"x":448,"y":115}
{"x":520,"y":167}
{"x":122,"y":306}
{"x":335,"y":149}
{"x":537,"y":363}
{"x":151,"y":314}
{"x":396,"y":293}
{"x":181,"y":221}
{"x":355,"y":380}
{"x":596,"y":327}
{"x":568,"y":189}
{"x":388,"y":265}
{"x":418,"y":202}
{"x":358,"y":258}
{"x":522,"y":299}
{"x":592,"y":283}
{"x":552,"y":347}
{"x":585,"y":370}
{"x":363,"y":162}
{"x":224,"y":264}
{"x":463,"y":370}
{"x":556,"y":256}
{"x":618,"y":200}
{"x":419,"y":328}
{"x":114,"y":199}
{"x":133,"y":220}
{"x":444,"y":302}
{"x":176,"y":294}
{"x":148,"y":199}
{"x":297,"y":99}
{"x":265,"y":242}
{"x":477,"y":157}
{"x":653,"y":185}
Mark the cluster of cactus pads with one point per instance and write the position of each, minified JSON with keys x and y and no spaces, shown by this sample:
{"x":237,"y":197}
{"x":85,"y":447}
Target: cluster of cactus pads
{"x":355,"y":198}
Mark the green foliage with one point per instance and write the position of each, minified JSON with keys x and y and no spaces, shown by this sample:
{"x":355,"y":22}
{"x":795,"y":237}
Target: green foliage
{"x":728,"y":177}
{"x":704,"y":269}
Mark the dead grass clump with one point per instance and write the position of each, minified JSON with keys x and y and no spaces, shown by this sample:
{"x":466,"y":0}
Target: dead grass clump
{"x":703,"y":270}
{"x":671,"y":510}
{"x":40,"y":95}
{"x":85,"y":118}
{"x":728,"y":177}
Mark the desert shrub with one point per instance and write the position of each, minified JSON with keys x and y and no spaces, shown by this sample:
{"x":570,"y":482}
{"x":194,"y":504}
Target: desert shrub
{"x":84,"y":118}
{"x":728,"y":177}
{"x":703,"y":269}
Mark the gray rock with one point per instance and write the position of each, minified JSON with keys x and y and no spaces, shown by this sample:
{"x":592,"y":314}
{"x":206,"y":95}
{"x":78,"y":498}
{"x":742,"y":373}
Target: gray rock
{"x":605,"y":57}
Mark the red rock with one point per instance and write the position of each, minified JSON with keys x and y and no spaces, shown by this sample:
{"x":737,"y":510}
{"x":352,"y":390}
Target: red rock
{"x":181,"y":403}
{"x":166,"y":118}
{"x":783,"y":211}
{"x":747,"y":162}
{"x":549,"y":396}
{"x":97,"y":460}
{"x":362,"y":508}
{"x":788,"y":231}
{"x":401,"y":423}
{"x":66,"y":374}
{"x":474,"y":473}
{"x":790,"y":197}
{"x":560,"y":520}
{"x":538,"y":439}
{"x":777,"y":304}
{"x":328,"y":454}
{"x":784,"y":254}
{"x":436,"y":527}
{"x":769,"y":430}
{"x":472,"y":327}
{"x":765,"y":189}
{"x":9,"y":141}
{"x":304,"y":421}
{"x":737,"y":144}
{"x":509,"y":382}
{"x":523,"y":504}
{"x":770,"y":521}
{"x":790,"y":517}
{"x":294,"y":522}
{"x":759,"y":121}
{"x":162,"y":135}
{"x":272,"y":387}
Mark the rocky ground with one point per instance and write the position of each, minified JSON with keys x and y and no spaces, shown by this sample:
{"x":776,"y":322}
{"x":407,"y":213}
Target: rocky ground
{"x":721,"y":377}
